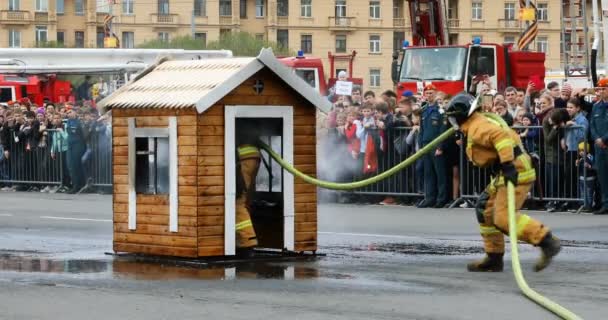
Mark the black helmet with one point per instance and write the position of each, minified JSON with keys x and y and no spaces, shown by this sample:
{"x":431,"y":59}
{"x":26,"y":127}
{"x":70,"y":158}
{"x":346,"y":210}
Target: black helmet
{"x":460,"y":108}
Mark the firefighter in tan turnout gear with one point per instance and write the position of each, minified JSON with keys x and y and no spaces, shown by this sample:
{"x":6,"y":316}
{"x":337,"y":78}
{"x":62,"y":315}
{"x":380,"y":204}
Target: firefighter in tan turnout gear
{"x":248,"y":163}
{"x":492,"y":144}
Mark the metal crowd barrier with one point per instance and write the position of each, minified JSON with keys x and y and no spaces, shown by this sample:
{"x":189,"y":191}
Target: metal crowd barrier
{"x":34,"y":165}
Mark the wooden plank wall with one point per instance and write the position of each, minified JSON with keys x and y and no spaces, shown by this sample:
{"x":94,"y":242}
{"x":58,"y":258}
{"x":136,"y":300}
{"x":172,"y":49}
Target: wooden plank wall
{"x":152,"y":235}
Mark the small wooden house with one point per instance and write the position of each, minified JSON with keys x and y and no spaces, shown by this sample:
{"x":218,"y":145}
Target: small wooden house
{"x":174,"y":166}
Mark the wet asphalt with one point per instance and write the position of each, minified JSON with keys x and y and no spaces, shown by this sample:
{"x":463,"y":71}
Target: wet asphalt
{"x":377,"y":262}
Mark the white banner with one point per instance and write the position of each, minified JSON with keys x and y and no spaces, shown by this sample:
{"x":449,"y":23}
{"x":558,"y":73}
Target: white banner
{"x":344,"y":88}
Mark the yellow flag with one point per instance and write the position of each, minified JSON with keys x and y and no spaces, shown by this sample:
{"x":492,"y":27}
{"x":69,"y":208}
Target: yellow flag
{"x":527,"y":14}
{"x":110,"y":42}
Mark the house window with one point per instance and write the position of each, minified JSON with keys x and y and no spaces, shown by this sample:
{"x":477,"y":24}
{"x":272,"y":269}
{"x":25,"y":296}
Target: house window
{"x":100,"y":35}
{"x":14,"y":38}
{"x":60,"y":38}
{"x":259,"y":36}
{"x":397,"y":12}
{"x":476,"y":13}
{"x":225,"y":8}
{"x":542,"y":13}
{"x":282,"y":8}
{"x":60,"y":7}
{"x":79,"y":7}
{"x":41,"y":35}
{"x":283,"y":38}
{"x":103,"y":6}
{"x":163,"y":6}
{"x":341,"y":43}
{"x":341,"y":8}
{"x":128,"y":40}
{"x":202,"y":37}
{"x":163,"y":36}
{"x":127,"y":6}
{"x":306,"y":8}
{"x":306,"y":43}
{"x":542,"y":44}
{"x":398,"y":38}
{"x":259,"y":8}
{"x":509,"y":40}
{"x":152,"y":165}
{"x":243,"y":9}
{"x":510,"y":11}
{"x":13,"y":5}
{"x":374,"y":44}
{"x":79,"y":39}
{"x":42,"y":5}
{"x":374,"y":78}
{"x":374,"y":9}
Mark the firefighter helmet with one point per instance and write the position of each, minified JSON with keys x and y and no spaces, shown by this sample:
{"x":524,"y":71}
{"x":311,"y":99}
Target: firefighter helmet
{"x":460,"y":108}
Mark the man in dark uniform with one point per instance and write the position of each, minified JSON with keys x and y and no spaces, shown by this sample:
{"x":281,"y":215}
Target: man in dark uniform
{"x":76,"y":148}
{"x":599,"y":134}
{"x":435,"y":174}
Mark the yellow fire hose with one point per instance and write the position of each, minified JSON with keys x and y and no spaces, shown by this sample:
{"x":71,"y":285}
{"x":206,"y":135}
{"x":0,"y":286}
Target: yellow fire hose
{"x":519,"y":278}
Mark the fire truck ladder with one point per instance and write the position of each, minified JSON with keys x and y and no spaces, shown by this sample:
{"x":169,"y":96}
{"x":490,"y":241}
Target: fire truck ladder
{"x":575,"y":43}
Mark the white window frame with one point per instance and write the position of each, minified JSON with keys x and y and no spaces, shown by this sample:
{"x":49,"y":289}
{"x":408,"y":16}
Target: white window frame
{"x":42,"y":5}
{"x":14,"y":97}
{"x":60,"y":7}
{"x":542,"y":12}
{"x":14,"y":38}
{"x":345,"y":42}
{"x":340,"y":9}
{"x":128,"y":7}
{"x":542,"y":44}
{"x":81,"y":7}
{"x":131,"y":38}
{"x":477,"y":10}
{"x":375,"y":79}
{"x":230,"y":115}
{"x":171,"y":133}
{"x":306,"y":8}
{"x":375,"y":45}
{"x":374,"y":9}
{"x":509,"y":12}
{"x":103,"y":6}
{"x":164,"y":36}
{"x":260,"y":8}
{"x":39,"y":31}
{"x":14,"y":5}
{"x":302,"y":36}
{"x":225,"y":14}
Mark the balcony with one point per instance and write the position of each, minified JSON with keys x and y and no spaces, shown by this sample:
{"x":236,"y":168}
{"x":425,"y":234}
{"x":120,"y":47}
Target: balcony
{"x":165,"y":20}
{"x":509,"y":25}
{"x":43,"y":17}
{"x":399,"y":22}
{"x":453,"y":23}
{"x":342,"y":23}
{"x":226,"y":20}
{"x":15,"y":17}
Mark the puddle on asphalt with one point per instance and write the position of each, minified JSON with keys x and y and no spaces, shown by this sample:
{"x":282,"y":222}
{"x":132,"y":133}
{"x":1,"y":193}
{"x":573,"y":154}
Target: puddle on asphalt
{"x":159,"y":269}
{"x":413,"y":248}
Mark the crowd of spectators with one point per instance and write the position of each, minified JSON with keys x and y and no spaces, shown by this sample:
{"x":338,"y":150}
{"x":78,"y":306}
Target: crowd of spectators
{"x":53,"y":147}
{"x":364,"y":135}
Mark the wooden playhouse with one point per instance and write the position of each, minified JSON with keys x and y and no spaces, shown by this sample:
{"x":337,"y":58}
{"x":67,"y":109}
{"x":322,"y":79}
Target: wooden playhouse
{"x":173,"y":140}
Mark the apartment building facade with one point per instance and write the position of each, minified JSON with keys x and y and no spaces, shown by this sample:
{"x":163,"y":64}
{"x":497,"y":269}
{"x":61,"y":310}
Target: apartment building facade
{"x":373,"y":28}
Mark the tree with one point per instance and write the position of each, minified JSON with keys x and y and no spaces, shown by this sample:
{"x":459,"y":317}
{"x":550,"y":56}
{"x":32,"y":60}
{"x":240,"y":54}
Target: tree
{"x":241,"y":44}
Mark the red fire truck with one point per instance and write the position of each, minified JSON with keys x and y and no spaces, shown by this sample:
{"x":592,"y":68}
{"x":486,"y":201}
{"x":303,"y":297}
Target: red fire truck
{"x":34,"y":87}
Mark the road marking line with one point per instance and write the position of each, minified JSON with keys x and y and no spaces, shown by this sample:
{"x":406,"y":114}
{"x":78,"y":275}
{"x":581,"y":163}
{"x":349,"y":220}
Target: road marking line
{"x":5,"y":215}
{"x":367,"y":235}
{"x":74,"y":219}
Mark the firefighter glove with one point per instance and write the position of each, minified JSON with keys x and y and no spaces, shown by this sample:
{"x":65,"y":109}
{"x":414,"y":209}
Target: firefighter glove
{"x":509,"y":172}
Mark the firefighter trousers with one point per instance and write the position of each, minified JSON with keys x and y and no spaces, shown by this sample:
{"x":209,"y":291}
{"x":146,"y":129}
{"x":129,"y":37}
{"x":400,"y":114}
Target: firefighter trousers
{"x":245,"y":234}
{"x":493,"y":217}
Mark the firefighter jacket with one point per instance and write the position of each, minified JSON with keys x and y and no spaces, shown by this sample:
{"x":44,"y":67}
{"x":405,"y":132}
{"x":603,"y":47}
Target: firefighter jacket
{"x":490,"y":142}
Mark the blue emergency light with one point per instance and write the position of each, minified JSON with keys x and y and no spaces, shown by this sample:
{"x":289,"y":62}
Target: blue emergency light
{"x":476,"y":41}
{"x":406,"y":44}
{"x":300,"y":54}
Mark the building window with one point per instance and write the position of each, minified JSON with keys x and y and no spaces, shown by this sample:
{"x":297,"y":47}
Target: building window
{"x":79,"y":39}
{"x":259,"y":8}
{"x":542,"y":44}
{"x":225,"y":8}
{"x":374,"y":9}
{"x":542,"y":13}
{"x":152,"y":165}
{"x":510,"y":11}
{"x":477,"y":9}
{"x":397,"y":12}
{"x":341,"y":8}
{"x":202,"y":37}
{"x":509,"y":40}
{"x":103,"y":6}
{"x":398,"y":38}
{"x":374,"y":78}
{"x":60,"y":7}
{"x":259,"y":36}
{"x":163,"y":36}
{"x":13,"y":5}
{"x":128,"y":40}
{"x":163,"y":6}
{"x":282,"y":8}
{"x":243,"y":9}
{"x":100,"y":36}
{"x":14,"y":38}
{"x":127,"y":6}
{"x":283,"y":38}
{"x":374,"y":44}
{"x":41,"y":35}
{"x":306,"y":8}
{"x":306,"y":43}
{"x":42,"y":5}
{"x":341,"y":43}
{"x":79,"y":7}
{"x":60,"y":38}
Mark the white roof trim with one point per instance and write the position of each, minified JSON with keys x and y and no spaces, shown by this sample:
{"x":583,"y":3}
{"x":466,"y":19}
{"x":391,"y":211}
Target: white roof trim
{"x":266,"y":58}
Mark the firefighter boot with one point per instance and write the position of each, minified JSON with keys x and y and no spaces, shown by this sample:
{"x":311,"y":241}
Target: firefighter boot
{"x":491,"y":263}
{"x":550,"y":247}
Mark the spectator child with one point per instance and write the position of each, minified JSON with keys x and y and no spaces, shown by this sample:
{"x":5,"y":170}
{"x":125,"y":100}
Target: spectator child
{"x":586,"y":176}
{"x":528,"y":135}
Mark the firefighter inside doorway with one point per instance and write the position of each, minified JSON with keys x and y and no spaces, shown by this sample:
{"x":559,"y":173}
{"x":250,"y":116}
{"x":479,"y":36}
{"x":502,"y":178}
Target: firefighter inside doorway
{"x":491,"y":143}
{"x":248,"y":163}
